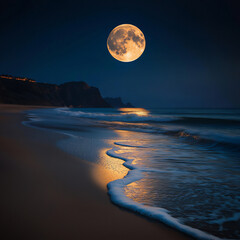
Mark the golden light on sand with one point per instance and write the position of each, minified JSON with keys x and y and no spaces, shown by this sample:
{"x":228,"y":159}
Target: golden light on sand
{"x":126,"y":43}
{"x":108,"y":168}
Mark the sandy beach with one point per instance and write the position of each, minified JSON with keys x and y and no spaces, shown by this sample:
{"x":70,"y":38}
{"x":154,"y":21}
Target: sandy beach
{"x":49,"y":194}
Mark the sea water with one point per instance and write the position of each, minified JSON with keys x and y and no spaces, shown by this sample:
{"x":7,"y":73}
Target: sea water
{"x":183,"y":165}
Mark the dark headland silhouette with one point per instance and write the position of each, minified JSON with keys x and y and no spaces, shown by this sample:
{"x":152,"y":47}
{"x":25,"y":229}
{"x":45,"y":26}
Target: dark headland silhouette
{"x":25,"y":91}
{"x":118,"y":103}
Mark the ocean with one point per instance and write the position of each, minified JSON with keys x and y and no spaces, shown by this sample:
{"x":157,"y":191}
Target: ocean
{"x":177,"y":166}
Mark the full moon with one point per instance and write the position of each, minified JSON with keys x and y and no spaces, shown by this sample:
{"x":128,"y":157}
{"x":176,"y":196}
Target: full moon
{"x":126,"y":43}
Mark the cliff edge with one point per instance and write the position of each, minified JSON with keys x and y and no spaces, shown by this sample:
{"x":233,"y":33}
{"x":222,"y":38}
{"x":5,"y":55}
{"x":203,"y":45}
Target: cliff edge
{"x":15,"y":90}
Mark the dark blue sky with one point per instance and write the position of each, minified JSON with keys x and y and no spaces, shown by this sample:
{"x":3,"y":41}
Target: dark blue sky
{"x":192,"y":55}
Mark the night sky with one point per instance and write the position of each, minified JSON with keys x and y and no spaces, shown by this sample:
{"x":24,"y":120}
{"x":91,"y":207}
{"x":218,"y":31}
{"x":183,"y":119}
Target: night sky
{"x":192,"y":55}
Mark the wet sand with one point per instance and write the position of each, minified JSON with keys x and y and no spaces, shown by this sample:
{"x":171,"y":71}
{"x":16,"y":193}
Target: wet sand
{"x":48,"y":194}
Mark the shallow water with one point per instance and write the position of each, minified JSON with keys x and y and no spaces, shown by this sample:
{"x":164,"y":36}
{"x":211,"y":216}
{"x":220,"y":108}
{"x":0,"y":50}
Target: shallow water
{"x":184,"y":163}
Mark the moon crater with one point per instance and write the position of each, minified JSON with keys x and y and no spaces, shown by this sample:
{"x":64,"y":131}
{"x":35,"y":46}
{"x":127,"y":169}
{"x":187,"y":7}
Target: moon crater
{"x":126,"y":43}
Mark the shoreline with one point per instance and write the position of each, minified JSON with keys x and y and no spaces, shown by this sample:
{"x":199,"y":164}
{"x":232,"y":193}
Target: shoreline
{"x":49,"y":194}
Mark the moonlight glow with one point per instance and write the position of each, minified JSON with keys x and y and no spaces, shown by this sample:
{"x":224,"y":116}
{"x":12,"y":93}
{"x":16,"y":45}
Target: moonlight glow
{"x":126,"y":43}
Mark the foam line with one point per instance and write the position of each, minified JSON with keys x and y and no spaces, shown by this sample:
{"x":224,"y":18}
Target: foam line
{"x":116,"y":192}
{"x":128,"y":145}
{"x":128,"y":117}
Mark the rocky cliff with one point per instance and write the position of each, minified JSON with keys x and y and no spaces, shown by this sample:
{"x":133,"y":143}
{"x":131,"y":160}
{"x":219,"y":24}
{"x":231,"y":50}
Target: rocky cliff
{"x":25,"y":91}
{"x":118,"y":103}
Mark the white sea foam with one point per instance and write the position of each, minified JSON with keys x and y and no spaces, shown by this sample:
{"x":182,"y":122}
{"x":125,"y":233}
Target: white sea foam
{"x":128,"y":145}
{"x":126,"y":117}
{"x":116,"y":192}
{"x":148,"y":128}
